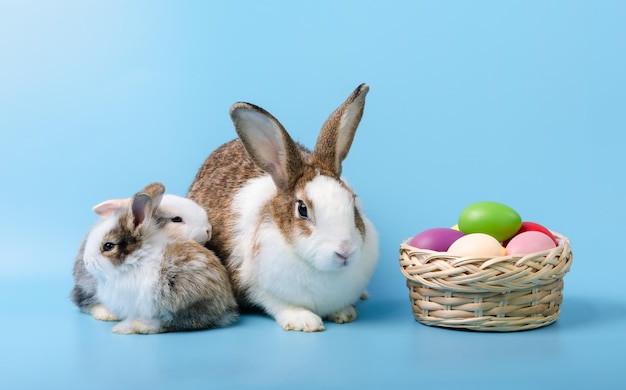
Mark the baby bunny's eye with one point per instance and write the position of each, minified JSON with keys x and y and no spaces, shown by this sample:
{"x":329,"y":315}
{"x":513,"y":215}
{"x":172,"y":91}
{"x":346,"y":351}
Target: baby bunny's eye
{"x":108,"y":246}
{"x":177,"y":219}
{"x":302,"y":210}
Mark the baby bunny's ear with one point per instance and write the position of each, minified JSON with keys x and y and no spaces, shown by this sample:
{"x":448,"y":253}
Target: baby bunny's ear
{"x":335,"y":139}
{"x":155,"y":191}
{"x":267,"y":144}
{"x":143,"y":206}
{"x":108,"y":207}
{"x":140,"y":211}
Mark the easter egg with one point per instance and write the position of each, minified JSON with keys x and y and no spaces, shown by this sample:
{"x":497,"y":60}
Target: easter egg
{"x":493,"y":218}
{"x":534,"y":227}
{"x":476,"y":244}
{"x":529,"y":242}
{"x":436,"y":239}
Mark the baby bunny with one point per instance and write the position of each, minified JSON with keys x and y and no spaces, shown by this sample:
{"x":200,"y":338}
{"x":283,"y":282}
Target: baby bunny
{"x":152,"y":279}
{"x":289,"y":229}
{"x":176,"y":214}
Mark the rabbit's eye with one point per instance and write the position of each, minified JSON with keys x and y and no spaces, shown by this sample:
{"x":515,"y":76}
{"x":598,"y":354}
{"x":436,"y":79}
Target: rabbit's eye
{"x":302,"y":210}
{"x":177,"y":219}
{"x":108,"y":246}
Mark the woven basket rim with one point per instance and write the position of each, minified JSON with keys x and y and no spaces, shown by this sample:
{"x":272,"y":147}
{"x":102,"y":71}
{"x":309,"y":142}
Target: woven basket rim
{"x":485,"y":273}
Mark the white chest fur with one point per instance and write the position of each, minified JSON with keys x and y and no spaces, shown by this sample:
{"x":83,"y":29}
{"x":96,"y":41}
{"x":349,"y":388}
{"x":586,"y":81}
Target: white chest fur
{"x":130,"y":289}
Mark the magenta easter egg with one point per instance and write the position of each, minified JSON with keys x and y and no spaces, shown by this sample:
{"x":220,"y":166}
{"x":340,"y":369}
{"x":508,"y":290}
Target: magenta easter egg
{"x":533,"y":227}
{"x":436,"y":239}
{"x":476,"y":244}
{"x":529,"y":242}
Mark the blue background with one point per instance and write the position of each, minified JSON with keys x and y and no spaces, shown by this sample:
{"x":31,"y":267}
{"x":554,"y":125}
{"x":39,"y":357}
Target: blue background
{"x":520,"y":102}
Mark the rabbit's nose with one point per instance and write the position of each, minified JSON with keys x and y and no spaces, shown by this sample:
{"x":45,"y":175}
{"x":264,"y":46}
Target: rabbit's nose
{"x":343,"y":256}
{"x":344,"y":252}
{"x":346,"y":249}
{"x":209,"y":231}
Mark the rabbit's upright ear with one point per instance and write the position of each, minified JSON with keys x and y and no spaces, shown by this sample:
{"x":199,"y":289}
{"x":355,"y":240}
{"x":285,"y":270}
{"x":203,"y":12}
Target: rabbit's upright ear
{"x":155,"y":191}
{"x":267,"y":144}
{"x":140,"y":211}
{"x":144,"y":205}
{"x":335,"y":139}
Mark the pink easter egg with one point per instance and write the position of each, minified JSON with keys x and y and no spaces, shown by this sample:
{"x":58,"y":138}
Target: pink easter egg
{"x":532,"y":226}
{"x":529,"y":242}
{"x":436,"y":239}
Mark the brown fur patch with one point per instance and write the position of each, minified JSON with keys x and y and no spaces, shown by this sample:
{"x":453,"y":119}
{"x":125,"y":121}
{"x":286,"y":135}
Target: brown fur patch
{"x":358,"y":220}
{"x":154,"y":190}
{"x":218,"y":180}
{"x":125,"y":242}
{"x":264,"y":217}
{"x":194,"y":286}
{"x":189,"y":270}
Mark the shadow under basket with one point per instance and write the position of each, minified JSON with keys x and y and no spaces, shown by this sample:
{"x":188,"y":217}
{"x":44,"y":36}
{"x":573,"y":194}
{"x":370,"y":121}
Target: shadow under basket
{"x":497,"y":294}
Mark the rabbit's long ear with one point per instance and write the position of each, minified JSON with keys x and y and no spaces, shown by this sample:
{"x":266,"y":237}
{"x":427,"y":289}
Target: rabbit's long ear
{"x":335,"y":139}
{"x":267,"y":144}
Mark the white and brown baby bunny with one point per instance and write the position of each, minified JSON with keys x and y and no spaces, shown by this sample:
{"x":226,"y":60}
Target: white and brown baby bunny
{"x":176,"y":214}
{"x":290,"y":230}
{"x":150,"y":274}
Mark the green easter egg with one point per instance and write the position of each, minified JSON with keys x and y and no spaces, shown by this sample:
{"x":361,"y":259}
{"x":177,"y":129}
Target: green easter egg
{"x":493,"y":218}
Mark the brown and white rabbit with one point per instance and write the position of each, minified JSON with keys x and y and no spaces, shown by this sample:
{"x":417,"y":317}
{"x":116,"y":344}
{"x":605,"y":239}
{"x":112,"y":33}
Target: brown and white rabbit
{"x":151,"y":279}
{"x":290,"y":230}
{"x":176,"y":214}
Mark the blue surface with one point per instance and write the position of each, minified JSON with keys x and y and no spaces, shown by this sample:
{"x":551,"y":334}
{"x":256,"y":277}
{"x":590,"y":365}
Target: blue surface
{"x":518,"y":102}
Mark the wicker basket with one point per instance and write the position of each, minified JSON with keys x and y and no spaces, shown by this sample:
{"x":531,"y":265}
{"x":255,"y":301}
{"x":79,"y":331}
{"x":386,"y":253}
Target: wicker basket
{"x":501,"y":294}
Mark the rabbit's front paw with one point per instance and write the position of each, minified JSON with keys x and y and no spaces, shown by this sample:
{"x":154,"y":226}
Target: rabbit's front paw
{"x":300,"y":320}
{"x":101,"y":313}
{"x":124,"y":327}
{"x":137,"y":327}
{"x":341,"y":316}
{"x":146,"y":327}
